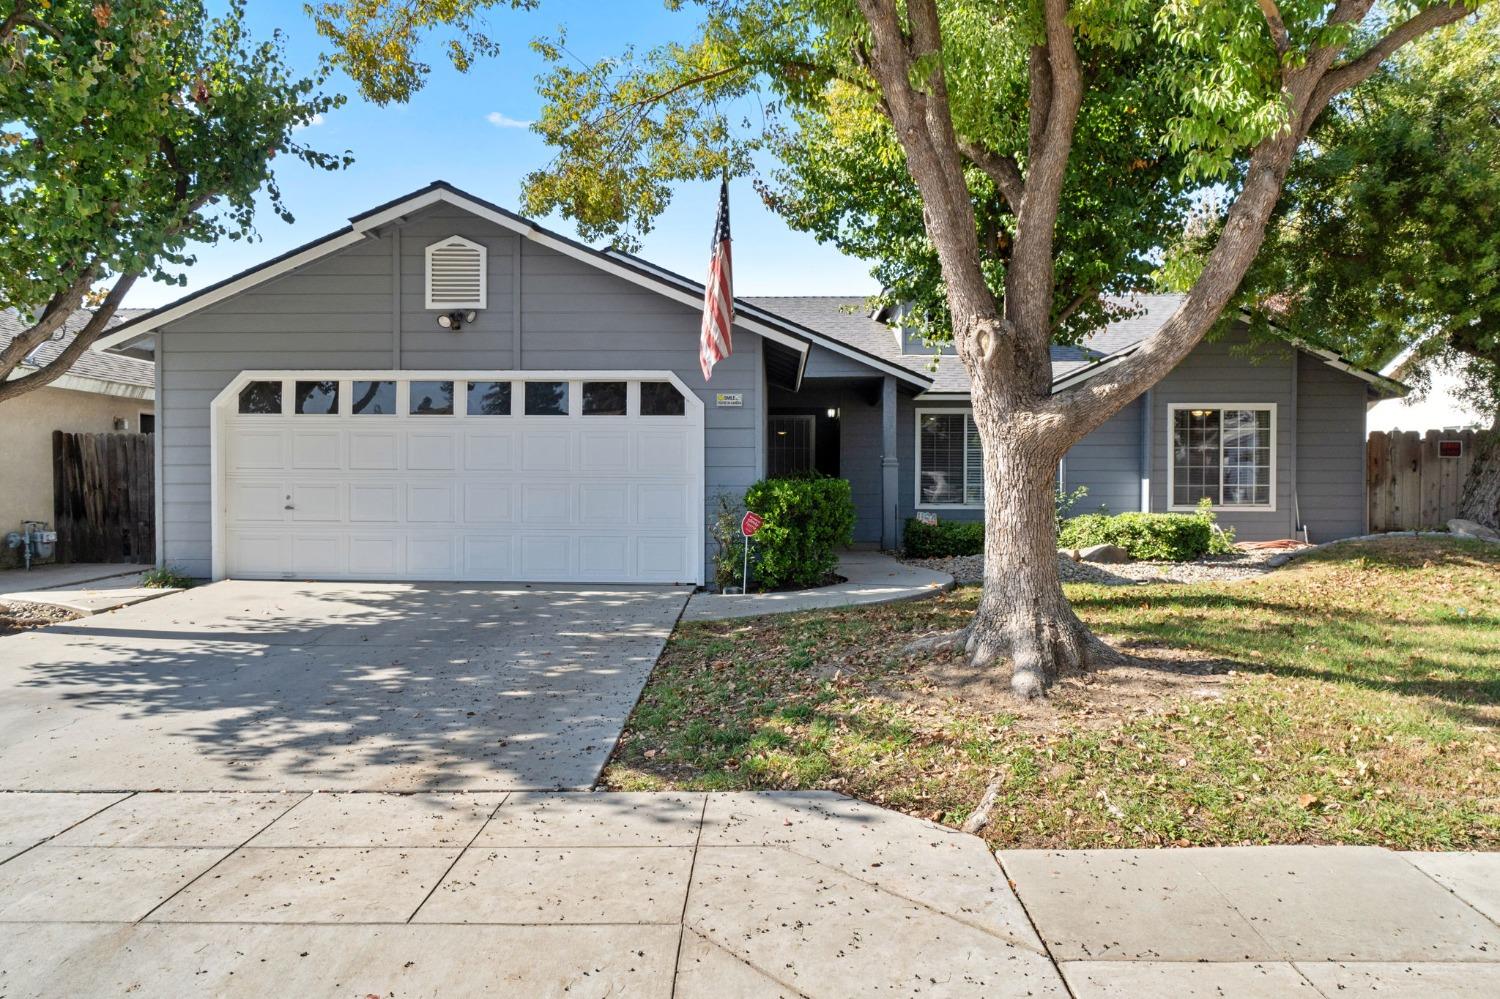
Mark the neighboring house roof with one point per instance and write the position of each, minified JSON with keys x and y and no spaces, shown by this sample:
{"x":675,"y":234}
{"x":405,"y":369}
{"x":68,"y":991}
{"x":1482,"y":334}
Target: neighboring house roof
{"x":93,"y":371}
{"x":773,"y":327}
{"x":849,"y":318}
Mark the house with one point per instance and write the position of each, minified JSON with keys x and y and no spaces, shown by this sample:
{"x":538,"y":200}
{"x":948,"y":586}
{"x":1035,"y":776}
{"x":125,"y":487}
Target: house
{"x":1438,"y":405}
{"x":445,"y":390}
{"x":101,"y":393}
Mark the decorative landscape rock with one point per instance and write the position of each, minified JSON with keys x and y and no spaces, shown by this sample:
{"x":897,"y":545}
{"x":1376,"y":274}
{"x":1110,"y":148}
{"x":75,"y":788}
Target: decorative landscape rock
{"x":1108,"y":554}
{"x":1473,"y":529}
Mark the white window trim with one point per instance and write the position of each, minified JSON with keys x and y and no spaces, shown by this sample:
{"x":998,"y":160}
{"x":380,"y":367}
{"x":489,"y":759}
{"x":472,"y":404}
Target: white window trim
{"x":1172,"y":409}
{"x":484,"y":275}
{"x":917,"y":479}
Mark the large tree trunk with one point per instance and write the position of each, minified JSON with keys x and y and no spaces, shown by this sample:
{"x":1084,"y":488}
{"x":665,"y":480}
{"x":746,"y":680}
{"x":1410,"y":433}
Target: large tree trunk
{"x":1023,"y":616}
{"x":1481,"y":497}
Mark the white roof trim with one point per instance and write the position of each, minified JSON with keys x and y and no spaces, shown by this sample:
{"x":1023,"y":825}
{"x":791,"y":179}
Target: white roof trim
{"x":317,"y":251}
{"x":97,"y":386}
{"x":658,"y":281}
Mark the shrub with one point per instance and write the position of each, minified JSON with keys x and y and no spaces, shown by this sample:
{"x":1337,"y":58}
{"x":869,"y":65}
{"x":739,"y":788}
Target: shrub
{"x":1166,"y":537}
{"x":808,"y":519}
{"x":951,"y":538}
{"x":945,"y":539}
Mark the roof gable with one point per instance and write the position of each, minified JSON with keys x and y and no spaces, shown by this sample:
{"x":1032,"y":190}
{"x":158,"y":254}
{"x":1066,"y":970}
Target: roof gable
{"x":749,"y":316}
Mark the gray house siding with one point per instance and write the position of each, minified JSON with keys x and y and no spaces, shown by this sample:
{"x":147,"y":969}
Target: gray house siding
{"x":338,"y":313}
{"x":1330,"y":451}
{"x":1108,"y":463}
{"x":1220,"y":372}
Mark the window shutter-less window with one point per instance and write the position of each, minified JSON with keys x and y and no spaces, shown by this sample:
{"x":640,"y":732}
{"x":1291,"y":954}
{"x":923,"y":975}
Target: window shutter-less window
{"x":456,"y":274}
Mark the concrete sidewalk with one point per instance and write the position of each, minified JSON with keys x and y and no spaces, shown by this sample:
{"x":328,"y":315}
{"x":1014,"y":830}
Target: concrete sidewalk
{"x":70,"y":574}
{"x":725,"y":895}
{"x":83,"y":588}
{"x":870,"y":578}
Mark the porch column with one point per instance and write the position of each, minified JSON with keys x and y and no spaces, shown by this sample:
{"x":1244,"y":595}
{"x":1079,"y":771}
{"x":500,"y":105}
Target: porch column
{"x":889,"y":465}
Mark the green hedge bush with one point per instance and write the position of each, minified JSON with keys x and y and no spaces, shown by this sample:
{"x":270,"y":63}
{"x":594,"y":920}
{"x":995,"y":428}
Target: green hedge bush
{"x":1161,"y":537}
{"x":945,"y":539}
{"x":808,"y":520}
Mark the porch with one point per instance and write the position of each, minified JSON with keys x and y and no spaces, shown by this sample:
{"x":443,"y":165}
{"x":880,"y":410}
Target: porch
{"x":845,"y":427}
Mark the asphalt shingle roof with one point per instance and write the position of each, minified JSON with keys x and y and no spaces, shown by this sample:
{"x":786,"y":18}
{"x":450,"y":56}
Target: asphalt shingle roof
{"x":92,"y":364}
{"x":847,"y":318}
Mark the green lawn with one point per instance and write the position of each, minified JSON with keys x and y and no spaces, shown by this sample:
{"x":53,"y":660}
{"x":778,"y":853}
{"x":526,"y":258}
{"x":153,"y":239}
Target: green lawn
{"x":1351,"y":698}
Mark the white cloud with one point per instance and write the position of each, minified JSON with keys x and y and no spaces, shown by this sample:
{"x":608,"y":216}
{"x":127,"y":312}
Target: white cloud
{"x":505,"y":121}
{"x":312,"y":122}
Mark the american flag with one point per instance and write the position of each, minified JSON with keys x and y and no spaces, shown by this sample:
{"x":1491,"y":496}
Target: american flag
{"x":718,"y":294}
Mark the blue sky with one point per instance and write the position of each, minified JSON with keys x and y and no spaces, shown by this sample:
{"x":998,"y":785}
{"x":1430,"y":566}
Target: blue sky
{"x":465,"y":128}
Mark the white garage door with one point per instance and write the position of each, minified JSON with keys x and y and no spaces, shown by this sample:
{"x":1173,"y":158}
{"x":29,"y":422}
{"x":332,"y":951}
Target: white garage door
{"x":541,"y":476}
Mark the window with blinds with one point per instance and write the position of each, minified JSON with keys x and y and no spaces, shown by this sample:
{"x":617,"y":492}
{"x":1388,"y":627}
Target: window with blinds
{"x":456,"y":274}
{"x":950,"y":461}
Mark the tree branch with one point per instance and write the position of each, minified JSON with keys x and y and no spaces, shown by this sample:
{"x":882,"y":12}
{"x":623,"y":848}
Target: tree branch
{"x":1039,"y":81}
{"x":1354,"y":72}
{"x":18,"y":17}
{"x":1078,"y":302}
{"x":56,"y":313}
{"x":1277,"y":26}
{"x":1004,"y":171}
{"x":82,"y":341}
{"x":1029,"y":279}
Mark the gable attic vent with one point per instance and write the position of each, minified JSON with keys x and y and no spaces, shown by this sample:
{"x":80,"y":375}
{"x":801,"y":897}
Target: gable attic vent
{"x":456,"y":274}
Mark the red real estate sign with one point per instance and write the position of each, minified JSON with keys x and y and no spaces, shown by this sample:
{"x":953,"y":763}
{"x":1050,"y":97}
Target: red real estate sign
{"x":751,"y":523}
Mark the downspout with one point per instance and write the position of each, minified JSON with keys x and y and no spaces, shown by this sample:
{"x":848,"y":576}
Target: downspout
{"x":1145,"y":460}
{"x":158,"y":458}
{"x":1297,"y":526}
{"x":890,"y":467}
{"x":515,"y":306}
{"x":395,"y":298}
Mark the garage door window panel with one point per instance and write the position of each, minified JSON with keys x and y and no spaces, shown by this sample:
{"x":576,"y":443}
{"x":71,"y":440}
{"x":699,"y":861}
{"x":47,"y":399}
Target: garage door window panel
{"x":260,"y":399}
{"x":373,"y":398}
{"x":320,"y":398}
{"x":431,"y":399}
{"x":546,"y":398}
{"x":489,"y":399}
{"x":661,"y":399}
{"x":604,"y":399}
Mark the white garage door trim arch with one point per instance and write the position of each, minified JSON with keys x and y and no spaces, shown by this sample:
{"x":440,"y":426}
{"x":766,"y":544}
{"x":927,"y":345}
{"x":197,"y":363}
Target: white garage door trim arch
{"x":223,"y":415}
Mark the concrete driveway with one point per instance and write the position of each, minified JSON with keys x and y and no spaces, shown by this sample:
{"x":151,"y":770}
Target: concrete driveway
{"x":306,"y":686}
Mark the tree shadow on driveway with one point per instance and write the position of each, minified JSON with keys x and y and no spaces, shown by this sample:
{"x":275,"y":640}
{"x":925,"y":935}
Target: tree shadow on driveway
{"x":243,"y":685}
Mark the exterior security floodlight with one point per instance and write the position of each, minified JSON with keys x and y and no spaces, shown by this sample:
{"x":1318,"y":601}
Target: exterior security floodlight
{"x":455,"y":320}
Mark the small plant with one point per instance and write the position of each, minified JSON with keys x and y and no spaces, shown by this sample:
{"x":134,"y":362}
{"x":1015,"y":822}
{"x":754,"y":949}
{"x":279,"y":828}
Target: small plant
{"x":944,"y":539}
{"x":729,"y":551}
{"x":165,"y":577}
{"x":1063,"y":503}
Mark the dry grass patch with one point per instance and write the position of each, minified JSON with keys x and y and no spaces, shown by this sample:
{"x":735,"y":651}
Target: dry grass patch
{"x":1351,"y":698}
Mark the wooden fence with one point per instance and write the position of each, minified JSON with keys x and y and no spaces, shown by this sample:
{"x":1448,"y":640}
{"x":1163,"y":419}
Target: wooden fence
{"x":1415,"y":480}
{"x":104,"y":497}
